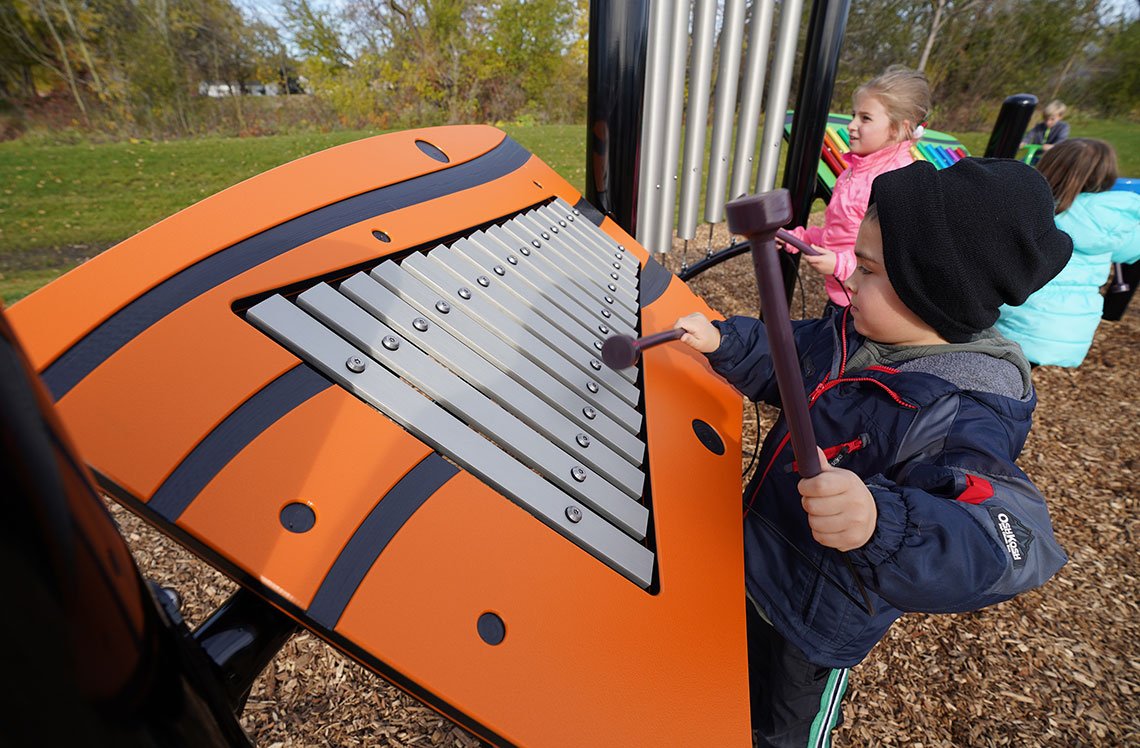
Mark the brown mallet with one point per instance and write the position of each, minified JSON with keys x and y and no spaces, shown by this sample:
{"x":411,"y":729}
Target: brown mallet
{"x":759,"y":218}
{"x":622,"y":351}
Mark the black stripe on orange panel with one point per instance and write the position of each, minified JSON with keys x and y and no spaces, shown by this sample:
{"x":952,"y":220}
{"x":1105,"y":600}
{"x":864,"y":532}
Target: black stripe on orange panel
{"x":655,"y":278}
{"x":267,"y":406}
{"x":374,"y":534}
{"x":119,"y":329}
{"x":422,"y":691}
{"x":587,"y":209}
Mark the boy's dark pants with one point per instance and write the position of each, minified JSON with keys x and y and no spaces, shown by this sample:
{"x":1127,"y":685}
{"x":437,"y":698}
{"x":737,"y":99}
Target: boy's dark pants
{"x":795,"y":703}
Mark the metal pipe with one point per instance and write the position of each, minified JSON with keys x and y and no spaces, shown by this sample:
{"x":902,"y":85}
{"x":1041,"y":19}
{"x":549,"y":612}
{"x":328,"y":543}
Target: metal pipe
{"x":778,"y":88}
{"x":724,"y":108}
{"x":650,"y":167}
{"x":674,"y":111}
{"x":697,"y":116}
{"x":759,"y":36}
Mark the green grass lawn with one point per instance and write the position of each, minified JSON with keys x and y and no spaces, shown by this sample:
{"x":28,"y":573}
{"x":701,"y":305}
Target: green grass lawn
{"x":58,"y":196}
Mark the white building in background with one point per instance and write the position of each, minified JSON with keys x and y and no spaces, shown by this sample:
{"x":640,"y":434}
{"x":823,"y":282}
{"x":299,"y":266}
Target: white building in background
{"x":220,"y":90}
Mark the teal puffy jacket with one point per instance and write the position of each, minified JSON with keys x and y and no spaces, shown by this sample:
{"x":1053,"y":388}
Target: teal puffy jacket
{"x":1056,"y":324}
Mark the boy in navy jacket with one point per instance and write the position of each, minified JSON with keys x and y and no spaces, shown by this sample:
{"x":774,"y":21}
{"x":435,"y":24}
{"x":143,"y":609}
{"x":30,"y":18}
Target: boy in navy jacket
{"x":921,"y":410}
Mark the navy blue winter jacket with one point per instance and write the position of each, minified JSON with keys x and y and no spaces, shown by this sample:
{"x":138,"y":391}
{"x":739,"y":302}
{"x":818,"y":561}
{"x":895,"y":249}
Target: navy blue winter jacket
{"x":959,"y":526}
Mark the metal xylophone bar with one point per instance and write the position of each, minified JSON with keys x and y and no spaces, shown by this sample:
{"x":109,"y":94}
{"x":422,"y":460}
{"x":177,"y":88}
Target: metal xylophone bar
{"x":488,"y":351}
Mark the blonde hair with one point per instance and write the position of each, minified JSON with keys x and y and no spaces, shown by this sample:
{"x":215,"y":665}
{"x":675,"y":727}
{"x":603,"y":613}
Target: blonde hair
{"x":904,"y":93}
{"x":1055,"y":107}
{"x":1078,"y":165}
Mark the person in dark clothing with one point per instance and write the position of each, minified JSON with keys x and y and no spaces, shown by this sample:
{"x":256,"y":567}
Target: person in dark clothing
{"x":1049,"y":132}
{"x":920,"y":409}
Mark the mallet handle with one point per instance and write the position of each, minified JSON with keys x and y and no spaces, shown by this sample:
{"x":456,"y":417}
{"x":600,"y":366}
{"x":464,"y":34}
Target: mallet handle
{"x":658,"y":338}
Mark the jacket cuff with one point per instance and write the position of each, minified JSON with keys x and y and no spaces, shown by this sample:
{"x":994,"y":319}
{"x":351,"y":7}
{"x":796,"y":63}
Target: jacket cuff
{"x":890,"y":527}
{"x":845,"y":263}
{"x":731,"y":346}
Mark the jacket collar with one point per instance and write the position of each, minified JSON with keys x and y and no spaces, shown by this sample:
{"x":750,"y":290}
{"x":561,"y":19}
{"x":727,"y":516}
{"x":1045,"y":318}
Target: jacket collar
{"x":878,"y":158}
{"x":917,"y":388}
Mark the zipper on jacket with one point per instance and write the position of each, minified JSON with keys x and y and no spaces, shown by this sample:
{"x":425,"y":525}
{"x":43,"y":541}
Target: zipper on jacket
{"x":837,"y":455}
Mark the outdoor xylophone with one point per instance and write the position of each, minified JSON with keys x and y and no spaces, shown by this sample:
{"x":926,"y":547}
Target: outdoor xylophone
{"x":368,"y":386}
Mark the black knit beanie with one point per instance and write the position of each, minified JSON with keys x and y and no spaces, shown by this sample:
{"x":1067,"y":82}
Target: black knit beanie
{"x":961,"y":241}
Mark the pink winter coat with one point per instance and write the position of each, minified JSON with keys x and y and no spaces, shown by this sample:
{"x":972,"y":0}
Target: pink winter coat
{"x":845,"y":211}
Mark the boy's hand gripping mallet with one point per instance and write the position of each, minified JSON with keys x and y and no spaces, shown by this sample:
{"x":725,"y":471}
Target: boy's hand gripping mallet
{"x":622,"y":351}
{"x":759,"y":218}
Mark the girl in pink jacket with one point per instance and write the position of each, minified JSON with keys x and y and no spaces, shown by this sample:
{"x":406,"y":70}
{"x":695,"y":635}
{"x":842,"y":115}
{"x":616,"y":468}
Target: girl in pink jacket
{"x":889,"y":114}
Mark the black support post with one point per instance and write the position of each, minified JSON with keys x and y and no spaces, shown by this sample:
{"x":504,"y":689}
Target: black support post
{"x":1012,"y":122}
{"x":813,"y":104}
{"x":619,"y":34}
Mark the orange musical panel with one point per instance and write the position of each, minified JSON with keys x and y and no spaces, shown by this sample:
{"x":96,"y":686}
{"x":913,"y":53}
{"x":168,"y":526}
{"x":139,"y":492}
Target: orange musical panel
{"x":367,"y":386}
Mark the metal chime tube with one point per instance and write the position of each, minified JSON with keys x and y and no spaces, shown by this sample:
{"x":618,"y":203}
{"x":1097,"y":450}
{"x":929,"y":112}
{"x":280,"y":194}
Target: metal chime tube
{"x":724,"y":109}
{"x":778,"y":90}
{"x":696,"y":119}
{"x":675,"y":106}
{"x":759,"y":34}
{"x":651,"y":164}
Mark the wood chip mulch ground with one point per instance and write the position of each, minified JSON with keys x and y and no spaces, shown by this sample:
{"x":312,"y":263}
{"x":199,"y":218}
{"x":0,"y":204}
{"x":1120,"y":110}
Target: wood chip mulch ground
{"x":1057,"y":666}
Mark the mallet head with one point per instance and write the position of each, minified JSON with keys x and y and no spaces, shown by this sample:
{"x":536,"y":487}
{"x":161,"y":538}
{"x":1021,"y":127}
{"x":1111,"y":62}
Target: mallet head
{"x":620,"y":352}
{"x":760,"y":215}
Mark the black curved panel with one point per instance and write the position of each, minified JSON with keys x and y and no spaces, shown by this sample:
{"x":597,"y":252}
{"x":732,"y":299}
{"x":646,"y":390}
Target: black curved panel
{"x":239,"y":428}
{"x":654,"y":280}
{"x":374,"y":534}
{"x":115,"y":332}
{"x":594,"y":215}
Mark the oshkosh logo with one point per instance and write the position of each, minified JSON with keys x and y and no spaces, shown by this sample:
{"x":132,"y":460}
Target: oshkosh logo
{"x":1007,"y":535}
{"x":1015,"y":536}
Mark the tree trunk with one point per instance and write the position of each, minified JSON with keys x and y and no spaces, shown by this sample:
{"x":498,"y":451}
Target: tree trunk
{"x":65,"y":61}
{"x":82,"y":48}
{"x":935,"y":24}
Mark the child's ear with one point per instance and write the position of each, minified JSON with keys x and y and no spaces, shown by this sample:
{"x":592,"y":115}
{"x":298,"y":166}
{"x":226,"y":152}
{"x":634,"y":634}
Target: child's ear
{"x":905,"y":130}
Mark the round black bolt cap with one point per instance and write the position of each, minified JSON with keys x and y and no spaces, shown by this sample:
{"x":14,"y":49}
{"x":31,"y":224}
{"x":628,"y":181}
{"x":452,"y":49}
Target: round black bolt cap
{"x":491,"y":628}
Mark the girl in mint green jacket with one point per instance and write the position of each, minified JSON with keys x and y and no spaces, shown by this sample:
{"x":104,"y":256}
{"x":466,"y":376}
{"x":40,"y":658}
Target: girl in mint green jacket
{"x":1056,"y":324}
